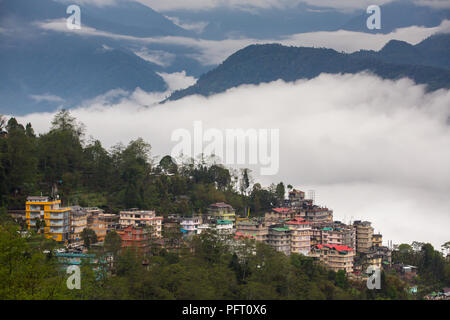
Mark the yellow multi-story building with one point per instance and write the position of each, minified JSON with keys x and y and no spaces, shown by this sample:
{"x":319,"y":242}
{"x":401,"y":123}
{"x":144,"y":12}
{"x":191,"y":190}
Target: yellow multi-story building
{"x":56,"y":219}
{"x":377,"y":240}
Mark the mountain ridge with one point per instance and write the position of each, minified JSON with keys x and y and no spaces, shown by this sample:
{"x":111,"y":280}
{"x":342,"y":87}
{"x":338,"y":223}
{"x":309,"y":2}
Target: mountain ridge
{"x":256,"y":64}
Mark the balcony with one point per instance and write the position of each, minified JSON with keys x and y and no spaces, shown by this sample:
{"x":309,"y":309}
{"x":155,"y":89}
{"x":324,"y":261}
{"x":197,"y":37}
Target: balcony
{"x":56,"y":216}
{"x":56,"y":223}
{"x":56,"y":230}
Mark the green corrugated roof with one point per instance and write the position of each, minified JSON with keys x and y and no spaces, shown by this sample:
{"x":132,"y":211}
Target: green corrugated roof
{"x":224,"y":221}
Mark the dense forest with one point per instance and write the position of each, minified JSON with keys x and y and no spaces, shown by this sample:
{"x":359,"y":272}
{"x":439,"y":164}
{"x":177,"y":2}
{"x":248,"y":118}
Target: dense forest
{"x":85,"y":173}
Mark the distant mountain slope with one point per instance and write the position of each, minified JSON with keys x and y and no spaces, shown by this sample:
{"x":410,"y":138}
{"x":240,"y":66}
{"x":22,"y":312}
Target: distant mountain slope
{"x":64,"y":67}
{"x":298,"y":17}
{"x":433,"y":51}
{"x":42,"y":70}
{"x":264,"y":63}
{"x":400,"y":14}
{"x":125,"y":17}
{"x":263,"y":23}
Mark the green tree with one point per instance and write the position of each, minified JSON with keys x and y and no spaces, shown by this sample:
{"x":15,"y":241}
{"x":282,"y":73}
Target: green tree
{"x":89,"y":237}
{"x":280,"y":191}
{"x":112,"y":243}
{"x":61,"y":153}
{"x":20,"y":160}
{"x":168,"y":164}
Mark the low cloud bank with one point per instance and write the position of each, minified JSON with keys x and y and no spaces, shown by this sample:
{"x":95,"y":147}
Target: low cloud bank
{"x":213,"y":52}
{"x":371,"y":148}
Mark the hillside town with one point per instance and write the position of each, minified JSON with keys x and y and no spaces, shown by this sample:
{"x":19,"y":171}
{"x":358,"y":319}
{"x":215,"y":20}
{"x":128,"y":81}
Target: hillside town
{"x":300,"y":226}
{"x":122,"y":217}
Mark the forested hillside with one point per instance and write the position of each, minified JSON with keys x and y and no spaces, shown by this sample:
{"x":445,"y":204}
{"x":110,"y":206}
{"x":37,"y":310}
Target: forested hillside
{"x":126,"y":176}
{"x":426,"y":63}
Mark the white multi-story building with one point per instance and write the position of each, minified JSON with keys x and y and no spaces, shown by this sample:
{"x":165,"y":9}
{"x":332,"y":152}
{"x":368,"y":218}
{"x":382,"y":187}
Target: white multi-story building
{"x":224,"y":226}
{"x":190,"y":225}
{"x":141,"y":217}
{"x":202,"y":228}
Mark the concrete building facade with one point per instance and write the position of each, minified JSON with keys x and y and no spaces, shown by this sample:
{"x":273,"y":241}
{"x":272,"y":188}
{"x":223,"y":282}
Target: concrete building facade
{"x":279,"y":238}
{"x":300,"y":232}
{"x":56,"y":218}
{"x":364,"y":234}
{"x":142,"y":217}
{"x":335,"y":257}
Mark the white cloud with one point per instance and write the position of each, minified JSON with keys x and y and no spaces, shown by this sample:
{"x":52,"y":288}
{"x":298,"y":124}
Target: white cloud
{"x":98,"y":3}
{"x":106,"y":47}
{"x":47,"y":97}
{"x":372,"y":149}
{"x":197,"y":27}
{"x":178,"y":80}
{"x":158,"y":57}
{"x":212,"y":52}
{"x":349,"y":41}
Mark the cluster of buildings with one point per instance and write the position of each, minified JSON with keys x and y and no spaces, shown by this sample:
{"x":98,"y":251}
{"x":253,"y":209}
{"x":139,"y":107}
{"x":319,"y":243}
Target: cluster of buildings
{"x":66,"y":224}
{"x":220,"y":217}
{"x":300,"y":226}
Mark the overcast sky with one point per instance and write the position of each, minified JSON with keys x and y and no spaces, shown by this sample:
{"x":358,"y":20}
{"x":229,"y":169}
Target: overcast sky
{"x":371,"y":149}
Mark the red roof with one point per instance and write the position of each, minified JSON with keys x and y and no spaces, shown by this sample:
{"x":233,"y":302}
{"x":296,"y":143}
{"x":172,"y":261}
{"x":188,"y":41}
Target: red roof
{"x":336,"y":247}
{"x":283,"y":210}
{"x":241,"y":235}
{"x":297,"y":221}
